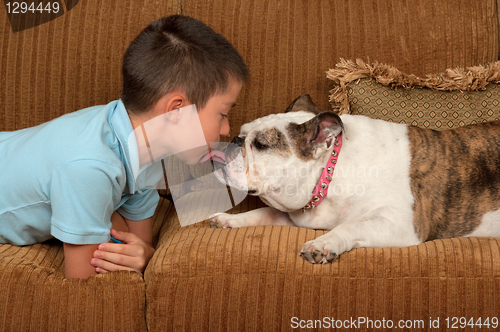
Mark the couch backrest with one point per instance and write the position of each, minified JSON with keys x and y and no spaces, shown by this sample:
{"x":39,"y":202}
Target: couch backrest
{"x":71,"y":62}
{"x":74,"y":61}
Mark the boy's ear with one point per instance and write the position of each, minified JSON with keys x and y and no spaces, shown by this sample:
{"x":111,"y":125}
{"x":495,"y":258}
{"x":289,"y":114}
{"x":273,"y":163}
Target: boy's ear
{"x":171,"y":103}
{"x":175,"y":103}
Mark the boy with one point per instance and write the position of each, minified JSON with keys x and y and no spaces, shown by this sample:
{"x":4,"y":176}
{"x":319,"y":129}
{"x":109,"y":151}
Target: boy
{"x":75,"y":177}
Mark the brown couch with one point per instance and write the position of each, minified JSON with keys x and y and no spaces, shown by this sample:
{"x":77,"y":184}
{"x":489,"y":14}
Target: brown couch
{"x":247,"y":279}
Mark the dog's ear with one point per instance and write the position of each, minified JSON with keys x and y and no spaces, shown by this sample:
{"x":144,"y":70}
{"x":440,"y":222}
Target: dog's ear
{"x":323,"y":128}
{"x":318,"y":132}
{"x":303,"y":103}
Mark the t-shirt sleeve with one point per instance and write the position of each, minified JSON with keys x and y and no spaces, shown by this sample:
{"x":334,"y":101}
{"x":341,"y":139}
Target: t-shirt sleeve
{"x":82,"y":195}
{"x":140,"y":206}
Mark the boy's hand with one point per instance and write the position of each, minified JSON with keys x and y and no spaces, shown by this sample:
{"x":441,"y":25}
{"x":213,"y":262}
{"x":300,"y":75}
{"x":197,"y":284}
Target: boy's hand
{"x":133,"y":255}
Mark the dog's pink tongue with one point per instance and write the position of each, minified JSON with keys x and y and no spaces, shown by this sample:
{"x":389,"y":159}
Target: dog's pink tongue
{"x":215,"y":155}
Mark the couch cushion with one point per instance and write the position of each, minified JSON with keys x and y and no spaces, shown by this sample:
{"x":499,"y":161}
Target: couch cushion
{"x":288,"y":45}
{"x":251,"y":278}
{"x":454,"y":98}
{"x":34,"y":295}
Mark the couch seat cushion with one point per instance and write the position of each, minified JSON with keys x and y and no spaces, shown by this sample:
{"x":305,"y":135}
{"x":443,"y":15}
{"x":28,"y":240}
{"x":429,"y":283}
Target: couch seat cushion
{"x":252,"y":279}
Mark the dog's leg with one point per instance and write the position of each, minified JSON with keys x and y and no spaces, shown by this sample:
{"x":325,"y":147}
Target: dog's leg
{"x":262,"y":216}
{"x":379,"y":232}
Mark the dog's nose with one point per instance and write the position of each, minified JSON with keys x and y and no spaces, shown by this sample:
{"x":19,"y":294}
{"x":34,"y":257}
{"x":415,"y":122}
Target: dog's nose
{"x":238,"y":140}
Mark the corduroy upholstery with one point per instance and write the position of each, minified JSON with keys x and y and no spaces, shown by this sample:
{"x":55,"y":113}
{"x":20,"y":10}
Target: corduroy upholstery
{"x":252,"y":279}
{"x":203,"y":279}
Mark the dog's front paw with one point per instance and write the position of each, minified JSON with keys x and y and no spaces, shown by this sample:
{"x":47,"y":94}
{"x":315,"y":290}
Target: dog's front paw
{"x":226,"y":220}
{"x":322,"y":250}
{"x":220,"y":220}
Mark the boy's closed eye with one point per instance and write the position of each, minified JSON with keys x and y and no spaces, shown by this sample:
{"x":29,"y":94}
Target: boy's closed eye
{"x":225,"y":115}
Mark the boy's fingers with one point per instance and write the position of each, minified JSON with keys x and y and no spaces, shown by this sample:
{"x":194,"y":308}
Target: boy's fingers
{"x":121,"y":249}
{"x":125,"y":237}
{"x":107,"y":266}
{"x":131,"y":262}
{"x":100,"y":270}
{"x":116,"y":258}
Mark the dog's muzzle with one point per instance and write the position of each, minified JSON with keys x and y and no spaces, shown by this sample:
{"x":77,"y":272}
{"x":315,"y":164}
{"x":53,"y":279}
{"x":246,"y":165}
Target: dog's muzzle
{"x":232,"y":172}
{"x":234,"y":148}
{"x":238,"y":141}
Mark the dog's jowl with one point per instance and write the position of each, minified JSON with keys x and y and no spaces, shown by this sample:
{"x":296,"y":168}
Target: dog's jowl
{"x":371,"y":183}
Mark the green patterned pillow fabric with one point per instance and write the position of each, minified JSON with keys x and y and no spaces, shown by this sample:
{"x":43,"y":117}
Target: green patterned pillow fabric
{"x":424,"y":107}
{"x":442,"y":101}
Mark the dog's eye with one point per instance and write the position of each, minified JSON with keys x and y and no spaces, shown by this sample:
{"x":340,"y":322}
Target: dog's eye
{"x":258,"y":145}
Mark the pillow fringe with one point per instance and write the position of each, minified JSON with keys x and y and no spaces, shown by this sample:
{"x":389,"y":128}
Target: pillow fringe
{"x":463,"y":79}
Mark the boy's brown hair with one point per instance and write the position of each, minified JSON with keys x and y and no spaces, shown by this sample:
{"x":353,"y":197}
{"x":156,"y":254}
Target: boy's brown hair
{"x":178,"y":52}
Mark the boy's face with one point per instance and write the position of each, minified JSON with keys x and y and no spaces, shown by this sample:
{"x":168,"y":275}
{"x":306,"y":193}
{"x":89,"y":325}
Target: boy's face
{"x":185,"y":131}
{"x":214,"y":116}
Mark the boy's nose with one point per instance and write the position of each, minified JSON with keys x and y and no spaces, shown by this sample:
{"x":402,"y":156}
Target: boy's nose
{"x":224,"y":130}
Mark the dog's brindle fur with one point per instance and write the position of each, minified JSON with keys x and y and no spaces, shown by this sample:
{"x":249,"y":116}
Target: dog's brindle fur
{"x":455,"y":178}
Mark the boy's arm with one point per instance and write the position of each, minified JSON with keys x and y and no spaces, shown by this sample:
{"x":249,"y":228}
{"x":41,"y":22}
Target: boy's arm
{"x":134,"y":254}
{"x":76,"y":260}
{"x":106,"y":257}
{"x":143,"y":229}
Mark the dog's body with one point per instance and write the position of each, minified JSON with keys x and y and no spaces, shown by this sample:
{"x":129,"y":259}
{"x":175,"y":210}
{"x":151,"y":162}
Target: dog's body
{"x":392,"y":185}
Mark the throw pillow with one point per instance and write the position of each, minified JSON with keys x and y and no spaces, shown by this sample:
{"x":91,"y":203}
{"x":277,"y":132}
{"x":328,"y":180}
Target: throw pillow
{"x":451,"y":99}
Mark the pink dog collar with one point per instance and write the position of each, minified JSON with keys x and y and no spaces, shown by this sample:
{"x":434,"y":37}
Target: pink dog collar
{"x":319,"y":192}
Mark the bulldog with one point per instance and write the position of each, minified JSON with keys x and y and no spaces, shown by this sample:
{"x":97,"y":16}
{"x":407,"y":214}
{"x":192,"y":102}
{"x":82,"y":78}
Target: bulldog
{"x":370,"y":182}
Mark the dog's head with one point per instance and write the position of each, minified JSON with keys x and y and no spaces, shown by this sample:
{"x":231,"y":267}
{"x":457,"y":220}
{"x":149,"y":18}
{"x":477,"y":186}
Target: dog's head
{"x":280,"y":157}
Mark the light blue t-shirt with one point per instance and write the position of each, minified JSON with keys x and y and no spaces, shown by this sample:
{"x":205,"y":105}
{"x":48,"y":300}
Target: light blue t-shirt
{"x":64,"y":178}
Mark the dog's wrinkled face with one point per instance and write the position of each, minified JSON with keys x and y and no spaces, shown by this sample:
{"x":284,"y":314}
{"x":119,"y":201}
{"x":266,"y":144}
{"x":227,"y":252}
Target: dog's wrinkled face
{"x":279,"y":157}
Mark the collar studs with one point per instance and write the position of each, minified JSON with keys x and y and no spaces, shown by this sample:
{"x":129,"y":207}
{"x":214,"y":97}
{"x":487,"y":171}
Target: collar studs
{"x":325,"y":178}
